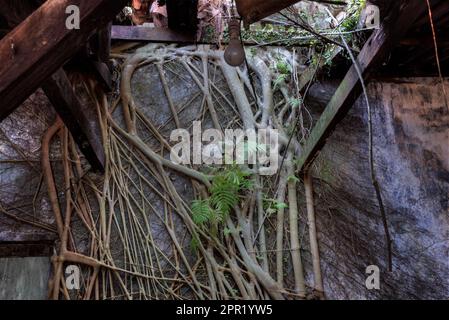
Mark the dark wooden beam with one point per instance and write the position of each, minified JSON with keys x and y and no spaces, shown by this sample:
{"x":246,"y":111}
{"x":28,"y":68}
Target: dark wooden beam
{"x":93,"y":59}
{"x":15,"y":11}
{"x":159,"y":35}
{"x":255,"y":10}
{"x":92,"y":67}
{"x":41,"y":44}
{"x":79,"y":118}
{"x":374,"y":52}
{"x":82,"y":123}
{"x":102,"y":47}
{"x":98,"y":61}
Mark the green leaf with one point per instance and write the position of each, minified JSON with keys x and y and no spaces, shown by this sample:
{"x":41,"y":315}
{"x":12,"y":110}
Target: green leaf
{"x":201,"y":212}
{"x":283,"y":68}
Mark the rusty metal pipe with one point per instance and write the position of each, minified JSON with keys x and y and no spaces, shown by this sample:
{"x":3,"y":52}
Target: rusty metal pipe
{"x":255,"y":10}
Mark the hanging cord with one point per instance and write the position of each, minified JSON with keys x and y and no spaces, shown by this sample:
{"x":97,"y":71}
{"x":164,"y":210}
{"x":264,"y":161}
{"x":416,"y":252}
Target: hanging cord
{"x":437,"y":56}
{"x":371,"y":153}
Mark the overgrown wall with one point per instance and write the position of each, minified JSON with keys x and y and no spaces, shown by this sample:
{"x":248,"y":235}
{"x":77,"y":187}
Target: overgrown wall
{"x":411,"y":134}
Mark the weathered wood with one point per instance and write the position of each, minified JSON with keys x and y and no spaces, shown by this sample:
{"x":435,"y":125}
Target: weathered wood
{"x":82,"y":122}
{"x":41,"y":44}
{"x":150,"y":34}
{"x":372,"y":55}
{"x":64,"y":100}
{"x":255,"y":10}
{"x":98,"y":62}
{"x":15,"y":11}
{"x":93,"y":58}
{"x":103,"y":47}
{"x":102,"y":73}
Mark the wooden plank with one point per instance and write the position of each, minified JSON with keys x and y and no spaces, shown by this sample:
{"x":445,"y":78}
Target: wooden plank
{"x":150,"y":34}
{"x":372,"y":55}
{"x":15,"y":11}
{"x":99,"y":44}
{"x":255,"y":10}
{"x":60,"y":93}
{"x":82,"y":122}
{"x":102,"y":73}
{"x":99,"y":63}
{"x":103,"y":44}
{"x":41,"y":44}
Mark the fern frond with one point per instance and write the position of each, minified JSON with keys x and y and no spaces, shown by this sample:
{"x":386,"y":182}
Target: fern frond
{"x":224,"y":197}
{"x":201,"y":212}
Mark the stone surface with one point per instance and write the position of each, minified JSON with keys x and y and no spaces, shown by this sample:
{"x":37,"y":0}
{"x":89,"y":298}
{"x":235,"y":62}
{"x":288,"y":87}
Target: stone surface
{"x":24,"y":278}
{"x":411,"y":147}
{"x":22,"y":193}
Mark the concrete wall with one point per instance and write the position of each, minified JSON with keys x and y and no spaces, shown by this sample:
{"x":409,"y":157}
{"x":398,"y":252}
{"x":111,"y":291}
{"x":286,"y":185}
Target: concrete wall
{"x":411,"y":148}
{"x":24,"y":278}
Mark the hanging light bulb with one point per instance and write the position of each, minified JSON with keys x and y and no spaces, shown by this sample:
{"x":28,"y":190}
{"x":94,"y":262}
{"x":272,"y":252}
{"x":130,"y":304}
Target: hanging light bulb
{"x":234,"y":54}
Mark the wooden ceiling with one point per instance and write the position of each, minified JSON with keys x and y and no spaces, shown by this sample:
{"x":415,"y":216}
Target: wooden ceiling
{"x":414,"y":54}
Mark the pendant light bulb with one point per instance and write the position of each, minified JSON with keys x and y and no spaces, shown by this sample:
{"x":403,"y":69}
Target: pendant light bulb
{"x":234,"y":54}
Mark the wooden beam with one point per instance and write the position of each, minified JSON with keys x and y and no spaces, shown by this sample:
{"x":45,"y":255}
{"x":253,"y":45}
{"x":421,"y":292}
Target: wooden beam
{"x":160,"y":35}
{"x":15,"y":11}
{"x":79,"y":119}
{"x":374,"y":52}
{"x":150,"y":34}
{"x":82,"y":124}
{"x":102,"y":47}
{"x":99,"y":44}
{"x":41,"y":44}
{"x":97,"y":61}
{"x":255,"y":10}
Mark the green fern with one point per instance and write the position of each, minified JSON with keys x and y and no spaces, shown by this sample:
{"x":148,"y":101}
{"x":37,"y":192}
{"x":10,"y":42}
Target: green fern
{"x":208,"y":214}
{"x":238,"y":177}
{"x":201,"y":211}
{"x":283,"y":68}
{"x":225,"y":191}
